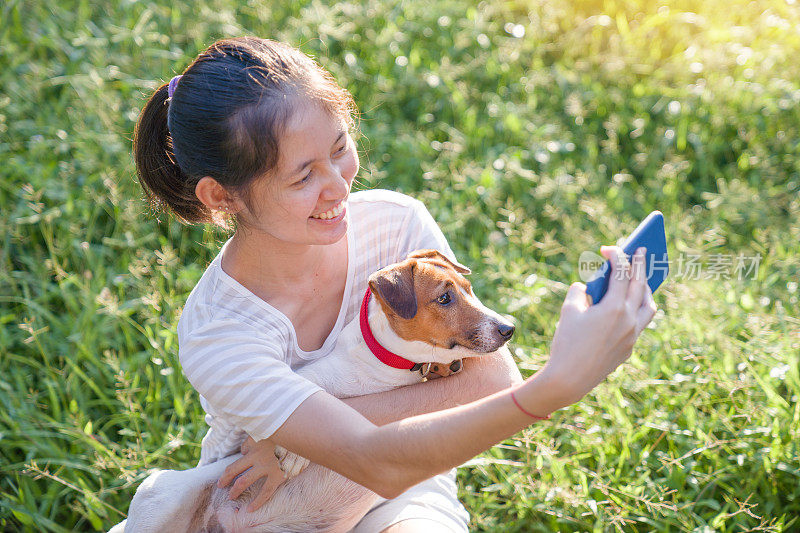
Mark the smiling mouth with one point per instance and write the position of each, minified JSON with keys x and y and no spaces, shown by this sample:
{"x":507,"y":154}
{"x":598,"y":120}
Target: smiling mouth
{"x":331,"y":213}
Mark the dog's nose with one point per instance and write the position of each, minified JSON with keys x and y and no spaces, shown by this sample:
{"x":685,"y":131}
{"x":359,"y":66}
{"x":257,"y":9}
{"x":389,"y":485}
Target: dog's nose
{"x":505,"y":330}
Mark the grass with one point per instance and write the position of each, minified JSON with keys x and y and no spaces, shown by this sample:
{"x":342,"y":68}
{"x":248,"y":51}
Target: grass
{"x":533,"y":131}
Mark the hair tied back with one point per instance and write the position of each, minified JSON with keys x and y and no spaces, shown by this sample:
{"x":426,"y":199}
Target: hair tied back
{"x":229,"y":122}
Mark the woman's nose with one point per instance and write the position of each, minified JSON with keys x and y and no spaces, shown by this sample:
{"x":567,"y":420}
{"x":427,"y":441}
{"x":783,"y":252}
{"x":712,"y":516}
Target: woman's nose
{"x":337,"y":182}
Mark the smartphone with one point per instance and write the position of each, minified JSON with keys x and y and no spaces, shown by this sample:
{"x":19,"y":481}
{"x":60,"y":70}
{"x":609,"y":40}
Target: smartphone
{"x":650,"y":235}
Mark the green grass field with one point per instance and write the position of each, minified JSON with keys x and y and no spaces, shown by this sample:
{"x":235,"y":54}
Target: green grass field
{"x":533,"y":131}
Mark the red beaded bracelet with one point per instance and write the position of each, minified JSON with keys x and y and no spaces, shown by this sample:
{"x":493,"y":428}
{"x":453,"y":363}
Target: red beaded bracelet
{"x":537,"y":417}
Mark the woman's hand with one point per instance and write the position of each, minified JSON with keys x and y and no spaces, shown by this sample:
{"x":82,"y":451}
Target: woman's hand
{"x":591,"y":341}
{"x":258,"y":461}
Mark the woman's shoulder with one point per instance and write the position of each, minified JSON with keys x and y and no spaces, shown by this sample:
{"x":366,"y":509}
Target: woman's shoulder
{"x":372,"y":196}
{"x":219,"y":301}
{"x":380,"y":207}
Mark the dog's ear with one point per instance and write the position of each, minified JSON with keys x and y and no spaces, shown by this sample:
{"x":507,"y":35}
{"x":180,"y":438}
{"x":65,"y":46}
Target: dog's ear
{"x":395,"y":287}
{"x":436,"y":254}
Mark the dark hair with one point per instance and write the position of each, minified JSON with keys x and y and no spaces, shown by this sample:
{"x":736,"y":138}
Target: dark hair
{"x":224,"y":120}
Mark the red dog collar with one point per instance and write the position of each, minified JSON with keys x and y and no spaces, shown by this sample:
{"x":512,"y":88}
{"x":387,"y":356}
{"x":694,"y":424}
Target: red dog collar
{"x":383,"y":355}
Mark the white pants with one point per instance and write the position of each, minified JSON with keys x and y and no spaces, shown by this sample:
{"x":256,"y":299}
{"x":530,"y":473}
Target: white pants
{"x":434,"y":499}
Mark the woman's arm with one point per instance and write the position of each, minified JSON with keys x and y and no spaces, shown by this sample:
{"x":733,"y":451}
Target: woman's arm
{"x":590,"y":342}
{"x":392,"y":458}
{"x":480,"y":377}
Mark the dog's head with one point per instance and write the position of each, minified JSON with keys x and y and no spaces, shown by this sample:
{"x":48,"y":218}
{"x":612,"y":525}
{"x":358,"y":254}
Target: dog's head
{"x":427,"y":298}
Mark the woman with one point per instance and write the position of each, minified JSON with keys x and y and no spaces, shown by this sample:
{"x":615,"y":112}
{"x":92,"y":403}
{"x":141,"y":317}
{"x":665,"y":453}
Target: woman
{"x":257,"y":131}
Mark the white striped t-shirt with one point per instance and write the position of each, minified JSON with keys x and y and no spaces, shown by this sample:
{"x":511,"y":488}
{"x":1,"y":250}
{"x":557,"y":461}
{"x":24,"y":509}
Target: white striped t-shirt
{"x":239,"y":352}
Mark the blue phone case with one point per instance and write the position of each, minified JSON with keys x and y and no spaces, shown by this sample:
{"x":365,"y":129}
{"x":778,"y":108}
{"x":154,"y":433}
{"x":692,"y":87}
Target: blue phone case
{"x":650,"y":234}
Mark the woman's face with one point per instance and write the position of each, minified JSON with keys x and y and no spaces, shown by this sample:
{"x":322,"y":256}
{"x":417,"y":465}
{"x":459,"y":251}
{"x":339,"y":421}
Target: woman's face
{"x":304,"y":200}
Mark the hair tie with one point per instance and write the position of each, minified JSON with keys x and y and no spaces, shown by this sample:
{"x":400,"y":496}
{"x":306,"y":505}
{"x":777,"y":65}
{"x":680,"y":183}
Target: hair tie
{"x":172,"y":84}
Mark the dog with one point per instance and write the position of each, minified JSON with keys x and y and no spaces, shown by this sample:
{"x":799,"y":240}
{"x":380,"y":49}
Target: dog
{"x":418,"y":320}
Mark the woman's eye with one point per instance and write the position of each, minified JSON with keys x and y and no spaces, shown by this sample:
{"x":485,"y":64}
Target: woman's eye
{"x":305,"y":179}
{"x":341,"y":150}
{"x":444,"y":299}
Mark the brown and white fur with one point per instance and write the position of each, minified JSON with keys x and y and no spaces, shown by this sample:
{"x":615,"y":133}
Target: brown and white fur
{"x":424,"y":310}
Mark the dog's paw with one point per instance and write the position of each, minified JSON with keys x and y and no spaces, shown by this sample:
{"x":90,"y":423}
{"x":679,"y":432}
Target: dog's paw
{"x":291,"y":463}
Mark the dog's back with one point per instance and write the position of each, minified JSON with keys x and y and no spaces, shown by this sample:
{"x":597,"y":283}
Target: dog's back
{"x":338,"y":504}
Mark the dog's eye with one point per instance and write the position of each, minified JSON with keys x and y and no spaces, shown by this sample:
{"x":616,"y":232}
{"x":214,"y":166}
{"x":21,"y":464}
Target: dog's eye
{"x":444,"y":299}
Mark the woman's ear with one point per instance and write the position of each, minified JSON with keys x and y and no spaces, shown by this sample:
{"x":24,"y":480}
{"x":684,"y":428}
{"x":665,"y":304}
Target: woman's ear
{"x":215,"y":197}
